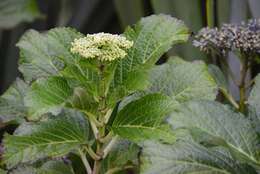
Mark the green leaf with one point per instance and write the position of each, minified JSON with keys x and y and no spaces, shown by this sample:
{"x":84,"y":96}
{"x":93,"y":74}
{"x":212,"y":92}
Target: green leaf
{"x":55,"y":137}
{"x":12,"y":102}
{"x":254,"y":97}
{"x":152,"y":37}
{"x":123,"y":154}
{"x":187,"y":157}
{"x":44,"y":54}
{"x":55,"y":167}
{"x":3,"y":171}
{"x":227,"y":127}
{"x":142,"y":119}
{"x":85,"y":74}
{"x":24,"y":169}
{"x":192,"y":17}
{"x":218,"y":76}
{"x":13,"y":12}
{"x":82,"y":101}
{"x":50,"y":167}
{"x":47,"y":95}
{"x":183,"y":81}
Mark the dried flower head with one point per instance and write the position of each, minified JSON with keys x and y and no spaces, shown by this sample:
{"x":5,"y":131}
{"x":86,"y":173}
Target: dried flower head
{"x":103,"y":46}
{"x":244,"y":37}
{"x":209,"y":39}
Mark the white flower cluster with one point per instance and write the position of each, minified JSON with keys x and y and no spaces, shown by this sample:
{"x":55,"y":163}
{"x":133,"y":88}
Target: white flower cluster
{"x":103,"y":46}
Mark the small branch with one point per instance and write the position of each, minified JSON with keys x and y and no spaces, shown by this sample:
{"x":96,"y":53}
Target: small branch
{"x":229,"y":98}
{"x":107,"y":138}
{"x":117,"y":169}
{"x":93,"y":118}
{"x":85,"y":162}
{"x":94,"y":129}
{"x":92,"y":153}
{"x":107,"y":116}
{"x":110,"y":145}
{"x":229,"y":71}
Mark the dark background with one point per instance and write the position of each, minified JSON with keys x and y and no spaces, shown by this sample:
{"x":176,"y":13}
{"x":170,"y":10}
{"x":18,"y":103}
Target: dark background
{"x":91,"y":16}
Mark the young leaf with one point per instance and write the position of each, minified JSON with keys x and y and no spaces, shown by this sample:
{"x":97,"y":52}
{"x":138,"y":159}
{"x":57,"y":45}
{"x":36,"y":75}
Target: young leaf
{"x":228,"y":128}
{"x":42,"y":55}
{"x":142,"y":119}
{"x":54,"y":137}
{"x":187,"y":157}
{"x":47,"y":95}
{"x":12,"y":12}
{"x":152,"y":37}
{"x":12,"y":102}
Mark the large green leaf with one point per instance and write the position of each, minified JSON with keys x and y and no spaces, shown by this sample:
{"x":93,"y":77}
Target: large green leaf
{"x":54,"y":93}
{"x":12,"y":12}
{"x":55,"y":137}
{"x":47,"y":95}
{"x":141,"y":119}
{"x":191,"y":15}
{"x":55,"y":167}
{"x":12,"y":102}
{"x":187,"y":157}
{"x":44,"y":54}
{"x":183,"y":81}
{"x":50,"y":167}
{"x":152,"y":37}
{"x":227,"y":127}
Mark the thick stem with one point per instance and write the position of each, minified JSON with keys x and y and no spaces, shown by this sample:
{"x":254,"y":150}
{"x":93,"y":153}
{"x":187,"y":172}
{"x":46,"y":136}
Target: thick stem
{"x":85,"y":162}
{"x":210,"y":13}
{"x":97,"y":163}
{"x":242,"y":84}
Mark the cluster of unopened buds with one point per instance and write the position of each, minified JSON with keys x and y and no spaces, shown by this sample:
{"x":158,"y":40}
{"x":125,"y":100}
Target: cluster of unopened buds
{"x":244,"y":37}
{"x":102,"y":46}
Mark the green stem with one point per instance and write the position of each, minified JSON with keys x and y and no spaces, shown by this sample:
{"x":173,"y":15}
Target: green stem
{"x":229,"y":98}
{"x":117,"y":169}
{"x":94,"y":129}
{"x":85,"y":162}
{"x":242,"y":84}
{"x":107,"y":138}
{"x":92,"y":153}
{"x":97,"y":163}
{"x":210,"y":13}
{"x":110,"y":145}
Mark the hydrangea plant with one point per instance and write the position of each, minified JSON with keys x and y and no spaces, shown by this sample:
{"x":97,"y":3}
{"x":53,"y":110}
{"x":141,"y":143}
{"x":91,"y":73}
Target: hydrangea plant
{"x":100,"y":104}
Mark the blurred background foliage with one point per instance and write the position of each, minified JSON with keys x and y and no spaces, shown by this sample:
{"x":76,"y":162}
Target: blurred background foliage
{"x":90,"y":16}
